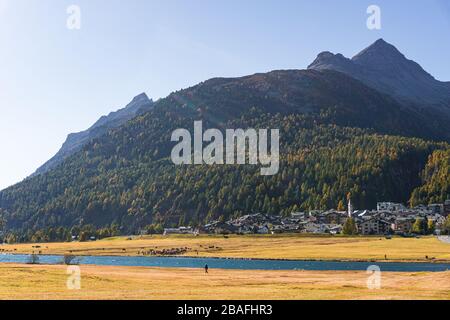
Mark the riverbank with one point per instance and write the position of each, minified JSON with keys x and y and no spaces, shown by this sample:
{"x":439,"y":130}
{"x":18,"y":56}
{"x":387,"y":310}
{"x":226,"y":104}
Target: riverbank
{"x":281,"y":247}
{"x":49,"y":282}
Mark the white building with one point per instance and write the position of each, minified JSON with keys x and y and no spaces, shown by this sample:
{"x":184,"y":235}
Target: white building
{"x":180,"y":230}
{"x":373,"y":226}
{"x":390,"y":206}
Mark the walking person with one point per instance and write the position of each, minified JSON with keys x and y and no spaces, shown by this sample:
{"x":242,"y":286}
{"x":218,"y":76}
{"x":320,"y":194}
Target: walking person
{"x":206,"y":268}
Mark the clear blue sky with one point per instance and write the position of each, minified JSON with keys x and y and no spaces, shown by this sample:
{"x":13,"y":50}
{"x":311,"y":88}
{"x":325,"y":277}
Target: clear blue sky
{"x":54,"y":81}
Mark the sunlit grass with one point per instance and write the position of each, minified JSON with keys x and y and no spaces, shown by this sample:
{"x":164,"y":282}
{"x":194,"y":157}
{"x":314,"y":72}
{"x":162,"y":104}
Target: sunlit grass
{"x":265,"y":246}
{"x":99,"y":282}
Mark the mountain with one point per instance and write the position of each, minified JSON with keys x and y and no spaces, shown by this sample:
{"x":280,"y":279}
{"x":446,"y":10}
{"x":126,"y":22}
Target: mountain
{"x":383,"y":67}
{"x":75,"y":141}
{"x":338,"y":135}
{"x":435,"y":177}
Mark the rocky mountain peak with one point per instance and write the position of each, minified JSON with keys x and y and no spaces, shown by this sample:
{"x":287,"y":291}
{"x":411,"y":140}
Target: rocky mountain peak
{"x":383,"y":67}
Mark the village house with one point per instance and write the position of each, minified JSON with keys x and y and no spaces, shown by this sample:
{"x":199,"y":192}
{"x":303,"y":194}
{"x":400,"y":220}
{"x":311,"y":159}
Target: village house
{"x":310,"y":227}
{"x":388,"y":218}
{"x":436,"y":208}
{"x":332,"y":217}
{"x":446,"y":208}
{"x":335,"y":229}
{"x":180,"y":230}
{"x":421,"y":210}
{"x":372,"y":225}
{"x":299,"y":215}
{"x":319,"y":228}
{"x":390,"y":206}
{"x":263,"y":230}
{"x":286,"y":228}
{"x":219,"y":227}
{"x":403,"y":225}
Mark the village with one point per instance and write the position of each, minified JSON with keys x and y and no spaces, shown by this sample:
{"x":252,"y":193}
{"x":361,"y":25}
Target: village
{"x":388,"y":219}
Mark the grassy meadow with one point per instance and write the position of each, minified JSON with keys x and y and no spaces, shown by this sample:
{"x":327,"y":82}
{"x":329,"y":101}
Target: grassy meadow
{"x":49,"y":282}
{"x":264,"y":246}
{"x":18,"y":281}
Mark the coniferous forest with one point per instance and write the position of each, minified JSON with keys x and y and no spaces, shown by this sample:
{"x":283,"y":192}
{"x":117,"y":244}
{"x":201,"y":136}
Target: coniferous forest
{"x":337,"y":136}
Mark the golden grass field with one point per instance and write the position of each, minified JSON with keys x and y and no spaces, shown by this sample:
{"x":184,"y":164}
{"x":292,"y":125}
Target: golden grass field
{"x":268,"y":247}
{"x":100,"y":282}
{"x":49,"y":282}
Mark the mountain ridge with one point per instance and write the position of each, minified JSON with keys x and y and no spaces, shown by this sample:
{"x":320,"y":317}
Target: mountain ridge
{"x":75,"y":141}
{"x":383,"y":67}
{"x":338,"y":135}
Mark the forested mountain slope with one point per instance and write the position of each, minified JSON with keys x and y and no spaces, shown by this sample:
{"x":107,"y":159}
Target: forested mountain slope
{"x":436,"y":180}
{"x":337,"y":136}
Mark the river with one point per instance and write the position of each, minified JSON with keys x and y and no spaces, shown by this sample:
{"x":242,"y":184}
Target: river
{"x":239,"y":264}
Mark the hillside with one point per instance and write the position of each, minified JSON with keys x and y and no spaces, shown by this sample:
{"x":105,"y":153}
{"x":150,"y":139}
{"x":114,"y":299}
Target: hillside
{"x":76,"y":141}
{"x":382,"y":67}
{"x":436,"y":180}
{"x":338,"y":135}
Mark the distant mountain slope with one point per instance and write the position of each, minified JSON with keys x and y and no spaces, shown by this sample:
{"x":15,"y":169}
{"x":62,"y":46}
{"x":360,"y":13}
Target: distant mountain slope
{"x":338,"y":135}
{"x":75,"y":141}
{"x":383,"y":67}
{"x":347,"y":101}
{"x":436,"y":180}
{"x":334,"y":132}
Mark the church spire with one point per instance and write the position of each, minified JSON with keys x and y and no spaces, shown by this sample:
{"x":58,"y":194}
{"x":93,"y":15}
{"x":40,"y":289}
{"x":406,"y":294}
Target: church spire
{"x":350,"y":208}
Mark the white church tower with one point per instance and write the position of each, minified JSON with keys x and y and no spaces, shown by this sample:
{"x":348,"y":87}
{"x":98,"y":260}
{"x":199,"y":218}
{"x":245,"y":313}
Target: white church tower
{"x":350,"y":208}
